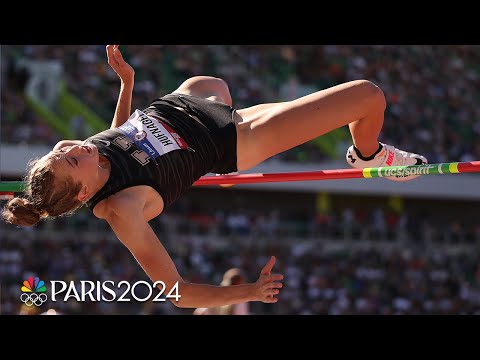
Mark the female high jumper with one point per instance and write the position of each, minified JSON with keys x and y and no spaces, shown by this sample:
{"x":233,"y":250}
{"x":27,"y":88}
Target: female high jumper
{"x":127,"y":175}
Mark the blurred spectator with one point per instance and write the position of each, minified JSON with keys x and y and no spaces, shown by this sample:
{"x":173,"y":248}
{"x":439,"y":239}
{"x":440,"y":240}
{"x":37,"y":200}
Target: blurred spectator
{"x":430,"y":270}
{"x":232,"y":276}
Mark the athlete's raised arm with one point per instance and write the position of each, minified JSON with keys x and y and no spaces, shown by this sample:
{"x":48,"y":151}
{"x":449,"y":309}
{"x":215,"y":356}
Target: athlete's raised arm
{"x":127,"y":76}
{"x":135,"y":233}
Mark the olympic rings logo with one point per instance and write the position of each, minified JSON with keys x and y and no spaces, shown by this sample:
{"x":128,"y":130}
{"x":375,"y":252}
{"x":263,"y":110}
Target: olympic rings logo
{"x":33,"y":299}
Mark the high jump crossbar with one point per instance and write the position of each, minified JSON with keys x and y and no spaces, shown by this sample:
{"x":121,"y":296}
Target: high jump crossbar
{"x":338,"y":174}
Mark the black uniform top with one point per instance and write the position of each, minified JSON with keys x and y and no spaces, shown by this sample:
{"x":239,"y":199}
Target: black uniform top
{"x":167,"y":154}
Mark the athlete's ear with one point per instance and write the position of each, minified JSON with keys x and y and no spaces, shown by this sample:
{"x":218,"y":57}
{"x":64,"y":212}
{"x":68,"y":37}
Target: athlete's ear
{"x":83,"y":193}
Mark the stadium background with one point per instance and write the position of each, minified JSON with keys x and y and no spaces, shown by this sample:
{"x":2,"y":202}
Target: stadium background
{"x":345,"y":247}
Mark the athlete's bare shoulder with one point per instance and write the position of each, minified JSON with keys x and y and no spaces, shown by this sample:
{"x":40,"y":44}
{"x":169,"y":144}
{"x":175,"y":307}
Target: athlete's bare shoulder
{"x":133,"y":200}
{"x":124,"y":201}
{"x":102,"y":210}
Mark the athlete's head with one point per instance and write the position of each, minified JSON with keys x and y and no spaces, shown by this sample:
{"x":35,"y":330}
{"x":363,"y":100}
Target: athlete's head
{"x":57,"y":184}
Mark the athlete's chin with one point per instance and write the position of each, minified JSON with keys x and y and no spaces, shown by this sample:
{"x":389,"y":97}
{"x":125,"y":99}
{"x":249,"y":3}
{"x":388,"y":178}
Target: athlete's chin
{"x":97,"y":156}
{"x":95,"y":150}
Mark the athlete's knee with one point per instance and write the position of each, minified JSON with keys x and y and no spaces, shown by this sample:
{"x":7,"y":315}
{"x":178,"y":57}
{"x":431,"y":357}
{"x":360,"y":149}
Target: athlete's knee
{"x":373,"y":93}
{"x":206,"y":87}
{"x":222,"y":89}
{"x":203,"y":81}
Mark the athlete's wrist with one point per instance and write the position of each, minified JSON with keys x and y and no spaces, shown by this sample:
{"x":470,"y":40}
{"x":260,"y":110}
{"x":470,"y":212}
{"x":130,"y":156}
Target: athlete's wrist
{"x":127,"y":83}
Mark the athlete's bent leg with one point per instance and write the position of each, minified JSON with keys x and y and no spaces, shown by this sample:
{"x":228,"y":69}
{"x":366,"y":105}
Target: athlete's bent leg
{"x":273,"y":128}
{"x":282,"y":126}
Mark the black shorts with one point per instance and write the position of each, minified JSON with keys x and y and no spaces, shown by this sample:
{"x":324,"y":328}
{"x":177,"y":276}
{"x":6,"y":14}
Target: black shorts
{"x":216,"y":122}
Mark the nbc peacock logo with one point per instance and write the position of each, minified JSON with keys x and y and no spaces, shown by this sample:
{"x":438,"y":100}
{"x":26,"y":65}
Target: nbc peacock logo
{"x":33,"y":292}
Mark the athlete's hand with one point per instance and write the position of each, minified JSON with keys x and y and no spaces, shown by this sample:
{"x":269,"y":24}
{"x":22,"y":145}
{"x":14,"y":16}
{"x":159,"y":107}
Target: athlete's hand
{"x":268,"y":285}
{"x":115,"y":60}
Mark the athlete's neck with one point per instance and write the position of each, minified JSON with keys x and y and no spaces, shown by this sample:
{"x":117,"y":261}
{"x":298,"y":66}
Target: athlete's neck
{"x":103,"y":175}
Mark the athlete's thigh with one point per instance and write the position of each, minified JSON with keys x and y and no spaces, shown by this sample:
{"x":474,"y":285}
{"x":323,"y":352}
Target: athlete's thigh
{"x":249,"y":152}
{"x":255,"y":112}
{"x":271,"y":129}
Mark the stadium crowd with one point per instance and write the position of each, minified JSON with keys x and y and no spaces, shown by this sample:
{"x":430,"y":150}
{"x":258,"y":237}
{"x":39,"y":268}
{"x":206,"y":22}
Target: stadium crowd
{"x":349,"y":260}
{"x":431,"y":90}
{"x":332,"y":269}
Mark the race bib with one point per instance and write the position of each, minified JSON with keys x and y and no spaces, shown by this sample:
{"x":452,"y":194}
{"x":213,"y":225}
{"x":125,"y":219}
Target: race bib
{"x":154,"y":137}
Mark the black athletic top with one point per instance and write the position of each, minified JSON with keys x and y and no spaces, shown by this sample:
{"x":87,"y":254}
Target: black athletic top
{"x":167,"y":154}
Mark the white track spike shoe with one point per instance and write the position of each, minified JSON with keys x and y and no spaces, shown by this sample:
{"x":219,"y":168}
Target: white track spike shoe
{"x":386,"y":155}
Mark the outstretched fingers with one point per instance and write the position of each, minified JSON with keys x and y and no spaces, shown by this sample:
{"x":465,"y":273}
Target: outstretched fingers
{"x":118,"y":64}
{"x":269,"y":284}
{"x":118,"y":54}
{"x":111,"y":56}
{"x":267,"y":269}
{"x":271,"y":289}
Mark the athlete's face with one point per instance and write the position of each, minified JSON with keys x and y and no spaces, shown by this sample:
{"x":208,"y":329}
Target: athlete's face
{"x":78,"y":161}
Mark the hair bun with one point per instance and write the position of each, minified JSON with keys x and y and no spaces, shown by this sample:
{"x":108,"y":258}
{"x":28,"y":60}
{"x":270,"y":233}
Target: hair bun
{"x":21,"y":212}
